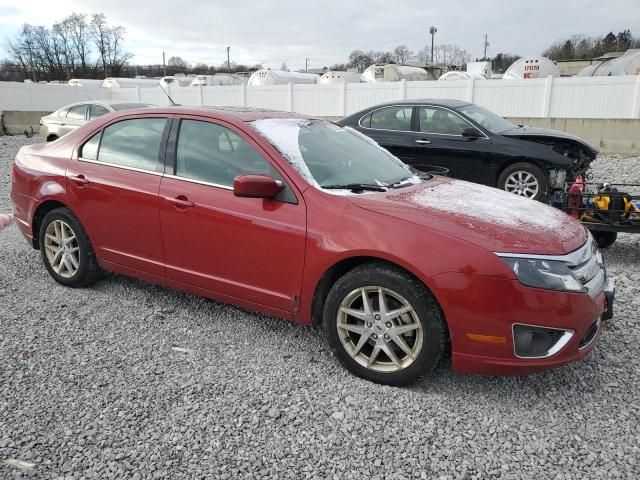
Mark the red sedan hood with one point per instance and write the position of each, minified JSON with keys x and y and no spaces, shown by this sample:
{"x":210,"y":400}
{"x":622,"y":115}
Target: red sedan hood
{"x":487,"y":217}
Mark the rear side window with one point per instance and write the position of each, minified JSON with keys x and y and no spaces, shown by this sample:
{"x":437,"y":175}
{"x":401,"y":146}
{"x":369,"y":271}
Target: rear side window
{"x":392,"y":118}
{"x":366,"y":121}
{"x":97,"y":111}
{"x":132,"y":143}
{"x":77,"y":112}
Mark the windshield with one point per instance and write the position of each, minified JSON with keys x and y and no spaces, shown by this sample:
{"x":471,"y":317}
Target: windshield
{"x":489,"y":120}
{"x":329,"y":156}
{"x":128,"y":106}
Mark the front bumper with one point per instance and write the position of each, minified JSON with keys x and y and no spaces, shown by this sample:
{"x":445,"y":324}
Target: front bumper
{"x":478,"y":308}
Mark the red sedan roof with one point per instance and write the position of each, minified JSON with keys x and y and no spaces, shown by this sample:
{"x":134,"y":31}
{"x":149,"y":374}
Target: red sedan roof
{"x":244,"y":114}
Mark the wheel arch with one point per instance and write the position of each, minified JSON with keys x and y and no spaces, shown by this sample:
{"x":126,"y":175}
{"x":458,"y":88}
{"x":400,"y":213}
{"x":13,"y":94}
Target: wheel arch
{"x":345,"y":265}
{"x":542,"y":165}
{"x":39,"y":214}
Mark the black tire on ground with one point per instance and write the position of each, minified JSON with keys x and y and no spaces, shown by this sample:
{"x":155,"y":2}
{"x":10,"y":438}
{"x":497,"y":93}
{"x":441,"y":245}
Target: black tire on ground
{"x":51,"y":138}
{"x":605,"y":239}
{"x":434,"y":330}
{"x":543,"y":183}
{"x":88,"y":271}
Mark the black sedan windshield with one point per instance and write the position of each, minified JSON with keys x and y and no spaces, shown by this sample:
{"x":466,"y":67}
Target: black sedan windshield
{"x":330,"y":156}
{"x":487,"y":119}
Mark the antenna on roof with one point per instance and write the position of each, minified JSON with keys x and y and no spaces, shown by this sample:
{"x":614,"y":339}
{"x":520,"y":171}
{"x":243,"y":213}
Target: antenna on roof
{"x":168,"y":96}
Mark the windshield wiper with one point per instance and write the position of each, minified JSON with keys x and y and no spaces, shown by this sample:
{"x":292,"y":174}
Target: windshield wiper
{"x":357,"y":187}
{"x":405,"y":182}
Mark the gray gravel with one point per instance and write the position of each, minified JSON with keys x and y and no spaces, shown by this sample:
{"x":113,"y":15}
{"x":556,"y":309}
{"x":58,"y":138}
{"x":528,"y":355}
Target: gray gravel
{"x":127,"y":379}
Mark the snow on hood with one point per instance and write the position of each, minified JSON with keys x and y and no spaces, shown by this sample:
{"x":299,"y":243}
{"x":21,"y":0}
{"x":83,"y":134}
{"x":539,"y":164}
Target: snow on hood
{"x":488,"y":217}
{"x":479,"y":205}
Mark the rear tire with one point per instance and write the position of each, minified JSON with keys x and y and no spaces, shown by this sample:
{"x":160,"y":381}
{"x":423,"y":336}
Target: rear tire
{"x":605,"y":239}
{"x":66,"y":250}
{"x":415,"y":339}
{"x":51,"y":138}
{"x":526,"y":180}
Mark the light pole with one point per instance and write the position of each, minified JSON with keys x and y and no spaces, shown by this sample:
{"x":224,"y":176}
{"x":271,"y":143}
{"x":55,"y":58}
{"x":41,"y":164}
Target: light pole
{"x":228,"y":62}
{"x":432,"y":31}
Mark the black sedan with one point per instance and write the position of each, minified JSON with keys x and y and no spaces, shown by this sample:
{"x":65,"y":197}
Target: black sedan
{"x":476,"y":145}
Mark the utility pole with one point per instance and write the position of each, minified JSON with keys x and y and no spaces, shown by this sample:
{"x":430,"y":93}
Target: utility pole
{"x":432,"y":31}
{"x":306,"y":64}
{"x":164,"y":66}
{"x":486,"y":44}
{"x":228,"y":61}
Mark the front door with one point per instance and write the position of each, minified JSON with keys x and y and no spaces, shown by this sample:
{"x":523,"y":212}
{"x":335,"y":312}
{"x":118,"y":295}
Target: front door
{"x":439,"y":141}
{"x":245,"y":248}
{"x":113,"y":189}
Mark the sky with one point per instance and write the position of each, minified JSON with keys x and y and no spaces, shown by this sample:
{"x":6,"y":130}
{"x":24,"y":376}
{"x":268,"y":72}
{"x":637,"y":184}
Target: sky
{"x":271,"y":32}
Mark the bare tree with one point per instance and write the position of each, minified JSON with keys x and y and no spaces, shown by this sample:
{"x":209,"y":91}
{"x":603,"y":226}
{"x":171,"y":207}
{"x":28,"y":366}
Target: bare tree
{"x":402,"y":53}
{"x":360,"y":60}
{"x":108,"y":41}
{"x":177,"y":63}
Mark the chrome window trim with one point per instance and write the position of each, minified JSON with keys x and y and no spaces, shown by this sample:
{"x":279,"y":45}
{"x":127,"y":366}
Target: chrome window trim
{"x":199,"y":182}
{"x":557,"y":347}
{"x":370,"y":112}
{"x":116,"y":165}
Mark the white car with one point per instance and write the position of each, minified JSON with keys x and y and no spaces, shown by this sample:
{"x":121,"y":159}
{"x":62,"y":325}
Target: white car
{"x":67,"y":119}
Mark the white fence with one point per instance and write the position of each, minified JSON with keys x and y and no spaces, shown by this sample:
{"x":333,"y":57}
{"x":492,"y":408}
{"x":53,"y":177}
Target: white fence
{"x":571,"y":97}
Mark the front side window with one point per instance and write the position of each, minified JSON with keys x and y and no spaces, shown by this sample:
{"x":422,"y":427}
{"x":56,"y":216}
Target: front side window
{"x":391,"y":118}
{"x":77,"y":112}
{"x":211,"y":153}
{"x":440,"y":121}
{"x":97,"y":111}
{"x":132,"y":143}
{"x":489,"y":120}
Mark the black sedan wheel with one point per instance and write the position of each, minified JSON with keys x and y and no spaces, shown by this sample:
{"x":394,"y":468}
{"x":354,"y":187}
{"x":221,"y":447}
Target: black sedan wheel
{"x":526,"y":180}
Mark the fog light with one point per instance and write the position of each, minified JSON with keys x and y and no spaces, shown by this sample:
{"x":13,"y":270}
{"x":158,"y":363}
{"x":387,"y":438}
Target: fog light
{"x":539,"y":342}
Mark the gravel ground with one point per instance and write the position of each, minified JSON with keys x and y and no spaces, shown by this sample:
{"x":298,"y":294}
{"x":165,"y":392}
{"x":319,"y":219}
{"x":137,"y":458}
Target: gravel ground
{"x":127,"y":379}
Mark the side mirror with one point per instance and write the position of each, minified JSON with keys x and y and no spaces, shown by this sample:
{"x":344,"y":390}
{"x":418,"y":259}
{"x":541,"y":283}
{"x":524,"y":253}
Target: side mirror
{"x":471,"y":132}
{"x":256,"y":186}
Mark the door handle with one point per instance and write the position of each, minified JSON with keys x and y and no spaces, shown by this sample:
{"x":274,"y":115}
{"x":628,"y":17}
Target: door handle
{"x":423,"y":142}
{"x":180,"y":201}
{"x":79,"y":179}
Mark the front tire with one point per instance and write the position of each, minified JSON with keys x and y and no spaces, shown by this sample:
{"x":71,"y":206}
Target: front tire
{"x":384,"y":325}
{"x":526,"y":180}
{"x":66,"y":250}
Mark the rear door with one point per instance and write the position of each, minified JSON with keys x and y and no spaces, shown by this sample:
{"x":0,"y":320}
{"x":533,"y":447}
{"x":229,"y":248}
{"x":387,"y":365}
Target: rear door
{"x":391,"y":127}
{"x":113,"y":189}
{"x":439,"y":141}
{"x":245,"y":248}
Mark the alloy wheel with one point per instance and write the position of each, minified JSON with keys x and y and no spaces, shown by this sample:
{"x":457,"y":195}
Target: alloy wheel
{"x":379,"y":329}
{"x":62,"y":249}
{"x":522,"y":183}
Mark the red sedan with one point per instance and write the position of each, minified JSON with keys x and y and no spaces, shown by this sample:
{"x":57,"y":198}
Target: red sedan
{"x":302,"y":219}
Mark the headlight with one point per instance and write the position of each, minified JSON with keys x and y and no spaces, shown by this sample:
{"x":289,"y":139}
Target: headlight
{"x":548,"y":274}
